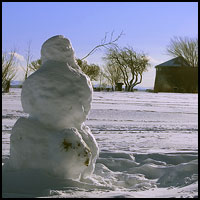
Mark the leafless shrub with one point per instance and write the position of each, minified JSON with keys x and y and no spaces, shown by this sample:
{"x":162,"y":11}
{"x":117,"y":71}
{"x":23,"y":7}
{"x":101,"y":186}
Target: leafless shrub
{"x":8,"y":70}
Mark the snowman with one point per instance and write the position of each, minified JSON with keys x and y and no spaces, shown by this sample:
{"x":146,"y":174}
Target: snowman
{"x":57,"y":98}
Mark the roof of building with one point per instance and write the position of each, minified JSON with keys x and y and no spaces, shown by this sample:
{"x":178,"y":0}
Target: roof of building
{"x":175,"y":62}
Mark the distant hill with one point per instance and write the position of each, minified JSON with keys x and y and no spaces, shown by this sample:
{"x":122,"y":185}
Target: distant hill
{"x":16,"y":83}
{"x":138,"y":88}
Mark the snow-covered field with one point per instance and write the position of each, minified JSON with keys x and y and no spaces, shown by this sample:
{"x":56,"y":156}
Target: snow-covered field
{"x":148,"y":147}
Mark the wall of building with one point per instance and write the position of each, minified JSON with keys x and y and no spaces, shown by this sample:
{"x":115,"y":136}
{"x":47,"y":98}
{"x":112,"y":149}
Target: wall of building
{"x":176,"y":79}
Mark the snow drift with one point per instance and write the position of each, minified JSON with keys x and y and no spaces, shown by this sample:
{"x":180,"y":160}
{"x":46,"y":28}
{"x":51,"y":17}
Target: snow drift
{"x":144,"y":149}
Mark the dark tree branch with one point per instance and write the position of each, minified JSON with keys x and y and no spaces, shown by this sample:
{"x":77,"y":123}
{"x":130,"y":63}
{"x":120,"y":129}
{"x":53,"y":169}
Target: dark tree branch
{"x":104,"y":43}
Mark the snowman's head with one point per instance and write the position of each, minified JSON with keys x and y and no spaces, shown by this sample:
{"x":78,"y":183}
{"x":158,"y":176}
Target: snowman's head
{"x":57,"y":48}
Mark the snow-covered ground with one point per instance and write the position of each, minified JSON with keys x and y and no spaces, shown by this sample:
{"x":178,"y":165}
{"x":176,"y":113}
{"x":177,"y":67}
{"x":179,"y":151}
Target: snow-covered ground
{"x":148,"y":148}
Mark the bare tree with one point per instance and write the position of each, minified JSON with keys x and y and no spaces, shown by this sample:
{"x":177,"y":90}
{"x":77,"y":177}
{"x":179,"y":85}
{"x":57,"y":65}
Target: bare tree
{"x":8,"y":70}
{"x":186,"y":48}
{"x":130,"y":63}
{"x":28,"y":58}
{"x":101,"y":76}
{"x":105,"y":43}
{"x":113,"y":74}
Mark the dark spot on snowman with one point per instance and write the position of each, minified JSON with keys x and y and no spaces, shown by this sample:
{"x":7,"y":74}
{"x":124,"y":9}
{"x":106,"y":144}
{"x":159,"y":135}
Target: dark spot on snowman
{"x":66,"y":145}
{"x":85,"y":153}
{"x":87,"y":162}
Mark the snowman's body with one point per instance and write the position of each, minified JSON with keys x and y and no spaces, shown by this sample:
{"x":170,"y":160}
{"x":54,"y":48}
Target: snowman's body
{"x":59,"y":94}
{"x":58,"y":98}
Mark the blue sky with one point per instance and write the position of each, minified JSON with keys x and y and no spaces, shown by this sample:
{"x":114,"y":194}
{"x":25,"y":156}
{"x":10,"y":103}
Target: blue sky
{"x":148,"y":27}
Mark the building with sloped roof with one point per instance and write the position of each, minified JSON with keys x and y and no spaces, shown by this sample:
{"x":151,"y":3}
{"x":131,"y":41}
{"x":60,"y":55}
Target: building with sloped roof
{"x":176,"y":75}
